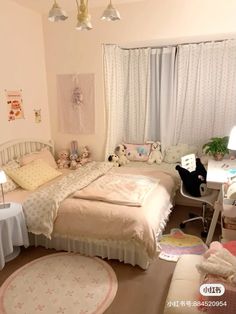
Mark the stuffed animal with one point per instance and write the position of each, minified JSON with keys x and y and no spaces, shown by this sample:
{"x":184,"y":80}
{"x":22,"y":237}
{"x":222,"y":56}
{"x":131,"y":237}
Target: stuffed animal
{"x":155,"y":154}
{"x":73,"y":161}
{"x":74,"y":155}
{"x":194,"y":181}
{"x":63,"y":159}
{"x":85,"y":156}
{"x":120,"y":151}
{"x":115,"y":159}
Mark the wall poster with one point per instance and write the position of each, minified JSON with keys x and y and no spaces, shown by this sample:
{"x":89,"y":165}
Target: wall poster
{"x":15,"y":105}
{"x":76,"y":103}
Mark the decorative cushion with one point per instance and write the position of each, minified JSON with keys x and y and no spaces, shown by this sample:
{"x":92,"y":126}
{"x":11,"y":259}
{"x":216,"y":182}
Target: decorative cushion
{"x":137,"y":152}
{"x":10,"y":185}
{"x":44,"y":154}
{"x":34,"y":174}
{"x":173,"y":154}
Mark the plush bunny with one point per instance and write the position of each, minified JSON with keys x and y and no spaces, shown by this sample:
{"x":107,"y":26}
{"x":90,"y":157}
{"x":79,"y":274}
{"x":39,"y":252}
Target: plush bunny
{"x":120,"y":151}
{"x":155,"y":154}
{"x":115,"y":159}
{"x":73,"y":161}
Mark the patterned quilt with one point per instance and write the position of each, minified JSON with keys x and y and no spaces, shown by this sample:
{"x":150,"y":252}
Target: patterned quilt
{"x":41,"y":207}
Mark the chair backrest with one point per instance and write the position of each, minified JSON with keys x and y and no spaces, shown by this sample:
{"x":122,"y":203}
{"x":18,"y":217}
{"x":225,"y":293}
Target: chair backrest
{"x":189,"y":162}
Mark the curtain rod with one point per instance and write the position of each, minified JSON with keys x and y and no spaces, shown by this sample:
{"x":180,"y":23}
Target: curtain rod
{"x":177,"y":44}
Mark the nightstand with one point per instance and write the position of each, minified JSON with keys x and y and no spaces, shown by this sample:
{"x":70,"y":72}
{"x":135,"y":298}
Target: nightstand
{"x":13,"y":232}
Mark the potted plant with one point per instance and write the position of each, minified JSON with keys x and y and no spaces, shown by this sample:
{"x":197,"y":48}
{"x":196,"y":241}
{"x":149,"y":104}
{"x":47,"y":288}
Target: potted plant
{"x":217,"y":147}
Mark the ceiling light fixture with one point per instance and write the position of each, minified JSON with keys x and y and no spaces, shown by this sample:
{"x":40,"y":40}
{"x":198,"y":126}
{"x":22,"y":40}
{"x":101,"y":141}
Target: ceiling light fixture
{"x":83,"y":16}
{"x":110,"y":13}
{"x":56,"y":13}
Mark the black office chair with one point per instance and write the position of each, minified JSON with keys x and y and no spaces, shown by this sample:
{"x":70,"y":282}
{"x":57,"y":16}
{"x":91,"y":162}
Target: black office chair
{"x":189,"y":162}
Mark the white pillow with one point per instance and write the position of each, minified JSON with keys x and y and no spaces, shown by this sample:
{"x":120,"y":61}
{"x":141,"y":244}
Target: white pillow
{"x":10,"y":185}
{"x":173,"y":154}
{"x":44,"y":154}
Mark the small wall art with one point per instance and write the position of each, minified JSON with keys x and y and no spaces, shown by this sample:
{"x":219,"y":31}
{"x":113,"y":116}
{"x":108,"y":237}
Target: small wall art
{"x":37,"y":115}
{"x":15,"y":105}
{"x":76,"y":103}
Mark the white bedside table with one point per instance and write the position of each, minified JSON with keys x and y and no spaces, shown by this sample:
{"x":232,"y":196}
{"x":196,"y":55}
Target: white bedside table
{"x":13,"y":232}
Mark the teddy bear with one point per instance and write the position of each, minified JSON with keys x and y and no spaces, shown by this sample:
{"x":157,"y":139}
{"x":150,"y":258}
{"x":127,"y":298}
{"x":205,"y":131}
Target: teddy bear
{"x":115,"y":159}
{"x":85,"y":156}
{"x":63,"y":160}
{"x":120,"y":151}
{"x":155,"y":154}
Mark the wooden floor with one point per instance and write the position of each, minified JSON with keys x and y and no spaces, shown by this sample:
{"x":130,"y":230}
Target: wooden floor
{"x":139,"y":291}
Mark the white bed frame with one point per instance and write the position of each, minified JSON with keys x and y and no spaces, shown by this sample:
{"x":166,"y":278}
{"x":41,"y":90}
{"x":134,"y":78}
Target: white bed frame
{"x":125,"y":251}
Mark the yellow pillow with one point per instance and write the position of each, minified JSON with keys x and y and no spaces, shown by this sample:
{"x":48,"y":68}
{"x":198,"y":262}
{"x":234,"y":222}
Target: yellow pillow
{"x":32,"y":175}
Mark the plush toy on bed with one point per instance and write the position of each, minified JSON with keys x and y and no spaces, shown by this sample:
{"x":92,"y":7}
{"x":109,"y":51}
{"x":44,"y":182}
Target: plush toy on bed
{"x":74,"y":155}
{"x":120,"y":151}
{"x":73,"y":161}
{"x":155,"y":154}
{"x":63,"y":160}
{"x":194,"y":181}
{"x":115,"y":159}
{"x":85,"y":156}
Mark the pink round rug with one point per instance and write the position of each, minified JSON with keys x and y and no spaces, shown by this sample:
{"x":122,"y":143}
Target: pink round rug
{"x":61,"y":283}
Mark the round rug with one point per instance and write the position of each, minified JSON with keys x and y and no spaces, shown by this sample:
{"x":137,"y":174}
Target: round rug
{"x":61,"y":283}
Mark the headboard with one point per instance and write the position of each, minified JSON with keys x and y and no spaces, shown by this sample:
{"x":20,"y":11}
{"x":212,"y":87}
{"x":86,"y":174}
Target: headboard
{"x":17,"y":148}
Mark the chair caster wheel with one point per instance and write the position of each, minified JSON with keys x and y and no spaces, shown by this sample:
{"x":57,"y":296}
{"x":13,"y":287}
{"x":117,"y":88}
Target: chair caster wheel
{"x":182,"y":225}
{"x":204,"y":234}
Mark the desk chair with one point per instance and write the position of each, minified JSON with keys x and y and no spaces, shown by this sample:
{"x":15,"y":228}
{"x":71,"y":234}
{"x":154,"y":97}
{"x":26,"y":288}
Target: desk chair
{"x":189,"y":162}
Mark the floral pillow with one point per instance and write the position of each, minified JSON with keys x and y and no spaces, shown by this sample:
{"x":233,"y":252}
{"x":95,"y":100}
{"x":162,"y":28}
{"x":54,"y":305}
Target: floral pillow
{"x":173,"y":154}
{"x":33,"y":175}
{"x":138,"y":152}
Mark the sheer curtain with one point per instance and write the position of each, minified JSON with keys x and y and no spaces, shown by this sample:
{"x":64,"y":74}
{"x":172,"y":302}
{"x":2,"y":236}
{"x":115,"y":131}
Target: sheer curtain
{"x":136,"y":93}
{"x":114,"y":96}
{"x":162,"y":105}
{"x":139,"y":95}
{"x":206,"y":91}
{"x":126,"y":81}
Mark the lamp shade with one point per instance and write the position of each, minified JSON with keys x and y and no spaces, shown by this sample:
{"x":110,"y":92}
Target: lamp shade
{"x":3,"y":178}
{"x":110,"y":13}
{"x":56,"y":13}
{"x":232,"y":139}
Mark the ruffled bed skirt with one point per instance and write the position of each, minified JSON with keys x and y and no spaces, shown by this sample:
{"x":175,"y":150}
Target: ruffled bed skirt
{"x":124,"y":251}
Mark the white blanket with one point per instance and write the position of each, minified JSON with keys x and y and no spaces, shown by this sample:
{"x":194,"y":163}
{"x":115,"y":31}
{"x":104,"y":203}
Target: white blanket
{"x":119,"y":188}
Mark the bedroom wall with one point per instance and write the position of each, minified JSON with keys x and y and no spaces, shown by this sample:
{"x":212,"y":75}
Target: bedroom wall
{"x":143,"y":23}
{"x":22,"y":66}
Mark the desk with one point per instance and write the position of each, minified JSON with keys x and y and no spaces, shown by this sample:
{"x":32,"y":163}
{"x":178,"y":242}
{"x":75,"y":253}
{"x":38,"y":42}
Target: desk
{"x":217,"y":174}
{"x":13,"y":232}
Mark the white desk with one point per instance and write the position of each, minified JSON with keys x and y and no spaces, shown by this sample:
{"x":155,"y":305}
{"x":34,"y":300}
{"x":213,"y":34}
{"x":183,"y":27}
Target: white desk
{"x":13,"y":232}
{"x":217,"y":174}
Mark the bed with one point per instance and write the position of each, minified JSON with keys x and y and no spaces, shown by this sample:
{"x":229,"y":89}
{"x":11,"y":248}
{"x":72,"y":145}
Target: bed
{"x":128,"y":233}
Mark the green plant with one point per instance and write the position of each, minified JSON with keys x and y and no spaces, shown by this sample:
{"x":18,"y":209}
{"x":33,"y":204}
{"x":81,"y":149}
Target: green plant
{"x":217,"y":145}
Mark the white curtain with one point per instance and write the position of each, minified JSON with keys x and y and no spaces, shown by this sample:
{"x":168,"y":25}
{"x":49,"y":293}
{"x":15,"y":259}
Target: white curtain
{"x":206,"y":91}
{"x":162,"y":105}
{"x":136,"y":93}
{"x":126,"y":81}
{"x":114,"y":96}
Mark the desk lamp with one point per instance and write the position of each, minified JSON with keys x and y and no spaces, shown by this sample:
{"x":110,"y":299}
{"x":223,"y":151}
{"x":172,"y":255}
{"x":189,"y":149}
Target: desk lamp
{"x":3,"y":179}
{"x":232,"y":139}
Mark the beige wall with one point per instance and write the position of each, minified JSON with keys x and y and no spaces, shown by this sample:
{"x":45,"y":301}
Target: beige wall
{"x":22,"y":66}
{"x":151,"y":21}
